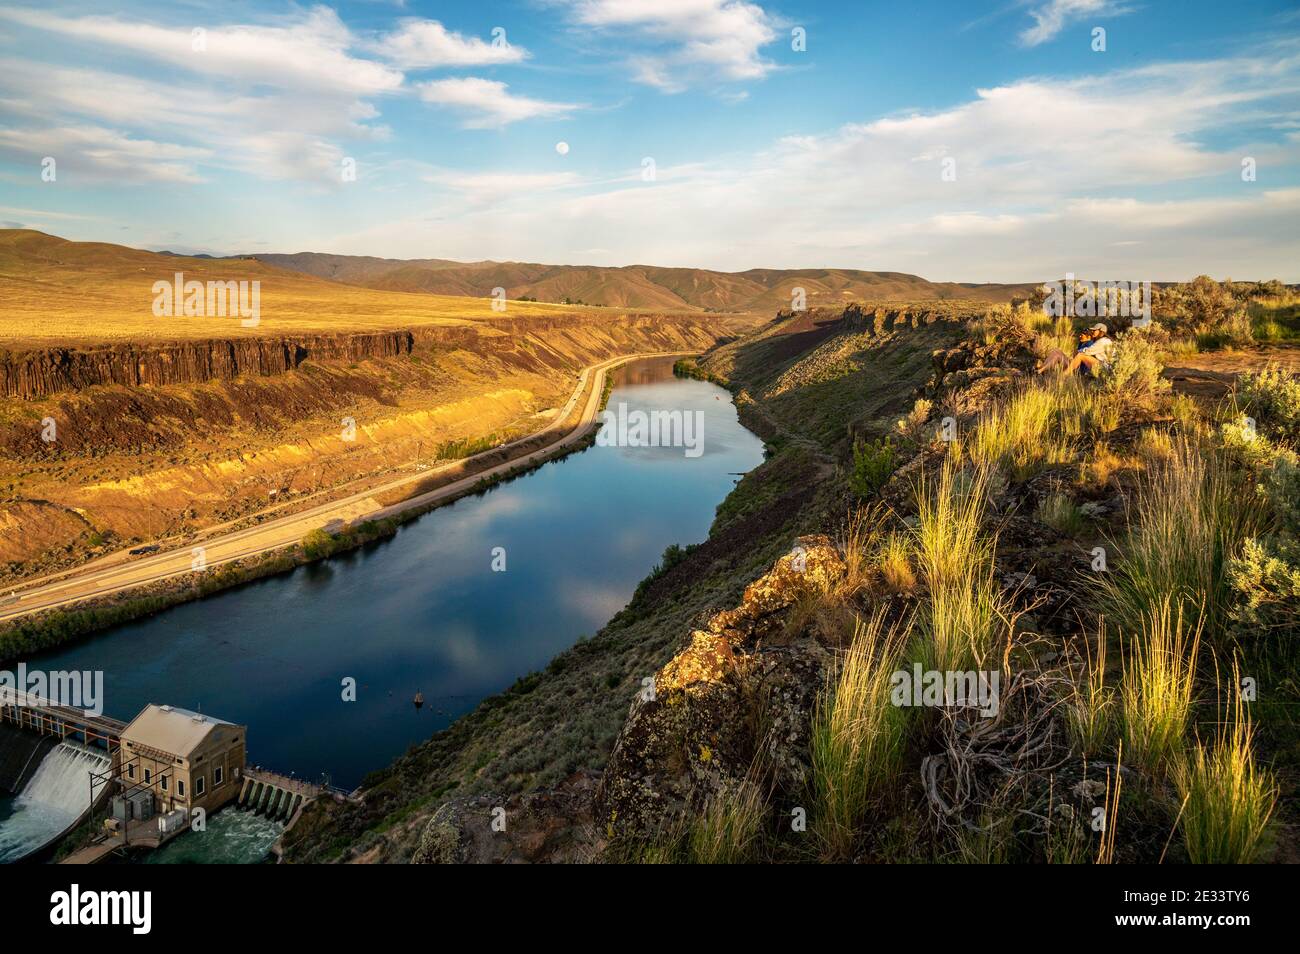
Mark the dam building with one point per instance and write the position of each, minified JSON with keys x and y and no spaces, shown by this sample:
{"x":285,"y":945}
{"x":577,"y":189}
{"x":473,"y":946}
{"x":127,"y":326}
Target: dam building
{"x":187,"y":759}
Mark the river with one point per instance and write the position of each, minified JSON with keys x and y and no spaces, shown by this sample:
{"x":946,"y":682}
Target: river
{"x":427,"y":611}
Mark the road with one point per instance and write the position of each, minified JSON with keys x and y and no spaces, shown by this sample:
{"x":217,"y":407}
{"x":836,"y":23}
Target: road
{"x":118,"y":572}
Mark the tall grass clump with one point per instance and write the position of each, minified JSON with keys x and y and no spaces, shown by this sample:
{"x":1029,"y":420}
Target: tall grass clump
{"x":1227,"y":801}
{"x":1157,"y":686}
{"x":1091,"y":709}
{"x":1191,"y":515}
{"x":856,"y":542}
{"x":894,"y":561}
{"x":1011,"y":437}
{"x":965,"y":613}
{"x":858,"y":737}
{"x":729,"y":830}
{"x":1038,"y":427}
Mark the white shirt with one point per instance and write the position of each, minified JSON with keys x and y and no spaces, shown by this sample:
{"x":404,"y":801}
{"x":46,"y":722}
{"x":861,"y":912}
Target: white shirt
{"x":1099,"y":349}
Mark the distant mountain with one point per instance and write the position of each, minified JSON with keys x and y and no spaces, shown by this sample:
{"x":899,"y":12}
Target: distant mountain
{"x":637,"y":286}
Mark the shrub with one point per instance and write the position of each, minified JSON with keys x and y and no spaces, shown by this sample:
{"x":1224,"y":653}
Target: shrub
{"x":1204,"y":309}
{"x":1133,"y":373}
{"x":874,"y":462}
{"x":1272,"y":397}
{"x":317,"y":543}
{"x":1265,"y":578}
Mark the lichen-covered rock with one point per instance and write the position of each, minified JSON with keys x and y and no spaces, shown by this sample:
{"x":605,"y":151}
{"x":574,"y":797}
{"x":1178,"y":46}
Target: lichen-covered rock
{"x":726,"y":700}
{"x":552,"y":825}
{"x":440,"y":842}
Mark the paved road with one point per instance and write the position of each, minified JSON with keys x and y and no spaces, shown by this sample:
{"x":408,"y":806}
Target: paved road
{"x":119,"y":571}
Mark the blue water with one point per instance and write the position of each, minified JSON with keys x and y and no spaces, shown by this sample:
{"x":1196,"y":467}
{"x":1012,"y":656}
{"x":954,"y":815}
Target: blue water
{"x":425,"y":611}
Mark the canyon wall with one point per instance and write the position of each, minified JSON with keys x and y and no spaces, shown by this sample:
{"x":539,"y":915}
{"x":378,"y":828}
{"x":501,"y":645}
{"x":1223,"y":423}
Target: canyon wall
{"x":35,"y":374}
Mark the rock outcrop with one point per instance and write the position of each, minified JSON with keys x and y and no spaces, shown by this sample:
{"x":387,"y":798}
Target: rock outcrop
{"x":740,"y":694}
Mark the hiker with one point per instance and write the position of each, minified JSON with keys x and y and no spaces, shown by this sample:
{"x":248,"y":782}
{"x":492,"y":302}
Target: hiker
{"x":1093,"y":354}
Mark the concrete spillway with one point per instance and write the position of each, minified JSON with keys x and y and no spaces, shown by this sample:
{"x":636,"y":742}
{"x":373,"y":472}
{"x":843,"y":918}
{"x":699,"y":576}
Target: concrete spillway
{"x":54,"y":796}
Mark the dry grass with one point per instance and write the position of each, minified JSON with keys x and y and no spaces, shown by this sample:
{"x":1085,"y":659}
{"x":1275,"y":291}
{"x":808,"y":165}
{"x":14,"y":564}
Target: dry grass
{"x":894,"y":560}
{"x":59,"y":293}
{"x":730,"y":828}
{"x":1040,"y":426}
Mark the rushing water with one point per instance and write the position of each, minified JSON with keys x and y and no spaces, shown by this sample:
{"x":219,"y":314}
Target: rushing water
{"x":426,"y":611}
{"x":231,"y":837}
{"x":53,"y":798}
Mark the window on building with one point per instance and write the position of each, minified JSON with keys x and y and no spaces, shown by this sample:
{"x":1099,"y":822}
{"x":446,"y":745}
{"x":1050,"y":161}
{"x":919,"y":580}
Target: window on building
{"x":218,"y":776}
{"x":148,"y":776}
{"x":163,"y":780}
{"x":130,"y":770}
{"x":198,"y":785}
{"x":180,"y":788}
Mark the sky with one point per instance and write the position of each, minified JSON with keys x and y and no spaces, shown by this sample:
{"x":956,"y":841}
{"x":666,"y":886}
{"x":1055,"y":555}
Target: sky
{"x":1003,"y":141}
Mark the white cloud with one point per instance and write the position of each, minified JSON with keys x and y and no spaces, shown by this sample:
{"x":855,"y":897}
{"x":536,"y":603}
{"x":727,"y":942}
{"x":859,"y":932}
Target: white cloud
{"x":308,"y":52}
{"x":1051,"y":17}
{"x":488,"y":103}
{"x":271,"y":134}
{"x":694,"y":40}
{"x":272,"y":100}
{"x":425,"y":44}
{"x":1050,"y":175}
{"x":95,"y":154}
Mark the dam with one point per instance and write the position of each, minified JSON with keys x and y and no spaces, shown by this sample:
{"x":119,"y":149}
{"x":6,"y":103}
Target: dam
{"x":45,"y":788}
{"x":135,"y":785}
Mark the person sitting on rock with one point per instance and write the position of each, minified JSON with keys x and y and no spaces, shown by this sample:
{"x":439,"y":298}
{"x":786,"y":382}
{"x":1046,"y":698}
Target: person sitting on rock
{"x":1093,"y":354}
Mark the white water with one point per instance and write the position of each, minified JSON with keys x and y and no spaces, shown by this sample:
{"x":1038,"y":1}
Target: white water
{"x":56,"y":794}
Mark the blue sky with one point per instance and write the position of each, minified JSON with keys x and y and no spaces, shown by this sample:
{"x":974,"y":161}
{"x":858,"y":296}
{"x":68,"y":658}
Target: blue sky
{"x":233,"y":127}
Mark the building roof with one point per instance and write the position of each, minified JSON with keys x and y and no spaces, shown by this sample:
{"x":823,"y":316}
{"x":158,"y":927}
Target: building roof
{"x":169,"y":729}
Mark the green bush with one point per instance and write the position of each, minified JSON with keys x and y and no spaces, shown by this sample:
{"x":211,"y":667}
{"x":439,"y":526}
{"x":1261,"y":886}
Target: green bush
{"x":874,"y":462}
{"x":1214,"y":313}
{"x":1272,"y":398}
{"x":1265,"y":578}
{"x":1134,"y":369}
{"x":317,"y":543}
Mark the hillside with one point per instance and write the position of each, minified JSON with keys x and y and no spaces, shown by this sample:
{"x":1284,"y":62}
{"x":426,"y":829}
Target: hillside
{"x":62,"y":293}
{"x":868,"y":546}
{"x":166,"y":426}
{"x":639,"y":286}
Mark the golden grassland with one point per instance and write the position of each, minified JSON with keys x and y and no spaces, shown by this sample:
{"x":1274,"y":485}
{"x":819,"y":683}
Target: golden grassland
{"x":58,"y":293}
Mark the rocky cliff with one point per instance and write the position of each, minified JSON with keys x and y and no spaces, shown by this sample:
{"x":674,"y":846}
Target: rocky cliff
{"x":39,"y":373}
